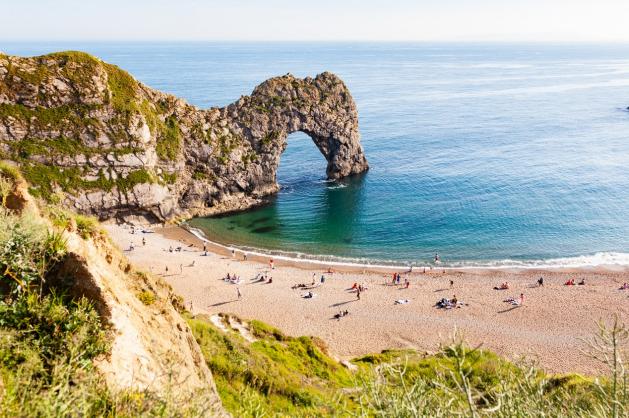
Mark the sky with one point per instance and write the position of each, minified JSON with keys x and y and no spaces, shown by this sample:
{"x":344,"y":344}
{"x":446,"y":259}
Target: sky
{"x":315,"y":20}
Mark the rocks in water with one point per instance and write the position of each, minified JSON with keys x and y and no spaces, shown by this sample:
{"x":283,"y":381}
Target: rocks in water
{"x":88,"y":133}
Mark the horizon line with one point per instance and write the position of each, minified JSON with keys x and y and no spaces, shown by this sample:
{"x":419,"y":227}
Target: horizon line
{"x":262,"y":41}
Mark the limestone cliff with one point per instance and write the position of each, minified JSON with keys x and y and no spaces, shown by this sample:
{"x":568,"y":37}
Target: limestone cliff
{"x":152,"y":347}
{"x":86,"y":133}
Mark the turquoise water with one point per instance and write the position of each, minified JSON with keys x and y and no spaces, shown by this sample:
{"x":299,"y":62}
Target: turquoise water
{"x":488,"y":154}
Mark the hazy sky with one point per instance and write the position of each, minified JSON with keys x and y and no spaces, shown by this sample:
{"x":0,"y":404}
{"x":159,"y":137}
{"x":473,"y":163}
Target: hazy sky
{"x":457,"y":20}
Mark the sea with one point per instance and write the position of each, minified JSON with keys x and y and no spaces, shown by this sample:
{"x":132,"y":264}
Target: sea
{"x":491,"y":155}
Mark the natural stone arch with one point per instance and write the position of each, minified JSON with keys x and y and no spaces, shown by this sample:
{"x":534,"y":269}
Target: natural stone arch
{"x":117,"y":148}
{"x":322,"y":108}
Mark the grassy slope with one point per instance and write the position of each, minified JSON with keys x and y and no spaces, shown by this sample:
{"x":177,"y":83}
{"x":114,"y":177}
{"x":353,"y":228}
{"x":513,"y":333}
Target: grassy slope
{"x":279,"y":375}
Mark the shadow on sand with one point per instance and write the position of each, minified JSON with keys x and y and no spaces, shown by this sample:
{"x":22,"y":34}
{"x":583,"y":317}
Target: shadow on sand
{"x":334,"y":305}
{"x":510,"y":309}
{"x":225,"y":303}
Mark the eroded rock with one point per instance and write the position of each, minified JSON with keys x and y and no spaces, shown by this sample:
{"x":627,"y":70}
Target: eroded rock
{"x":115,"y":146}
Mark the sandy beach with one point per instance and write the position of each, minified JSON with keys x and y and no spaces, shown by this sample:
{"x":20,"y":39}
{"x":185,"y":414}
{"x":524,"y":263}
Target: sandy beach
{"x":549,"y":327}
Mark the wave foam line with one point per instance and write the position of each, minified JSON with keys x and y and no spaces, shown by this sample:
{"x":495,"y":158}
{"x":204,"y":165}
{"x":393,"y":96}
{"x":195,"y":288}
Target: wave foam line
{"x":598,"y":259}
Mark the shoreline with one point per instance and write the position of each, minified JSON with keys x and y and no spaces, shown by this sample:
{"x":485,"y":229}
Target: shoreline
{"x":549,"y":328}
{"x":198,"y":238}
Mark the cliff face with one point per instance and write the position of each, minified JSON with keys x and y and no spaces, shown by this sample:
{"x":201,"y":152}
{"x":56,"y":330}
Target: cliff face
{"x":86,"y":133}
{"x":152,"y":347}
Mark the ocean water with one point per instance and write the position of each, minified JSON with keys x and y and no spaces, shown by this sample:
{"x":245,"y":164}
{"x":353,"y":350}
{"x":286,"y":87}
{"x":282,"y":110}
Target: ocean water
{"x":489,"y":154}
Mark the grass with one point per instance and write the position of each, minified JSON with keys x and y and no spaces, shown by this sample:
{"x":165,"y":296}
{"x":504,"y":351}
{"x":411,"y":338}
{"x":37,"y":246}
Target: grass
{"x":277,"y":374}
{"x":49,"y":341}
{"x":169,"y":140}
{"x":46,"y":180}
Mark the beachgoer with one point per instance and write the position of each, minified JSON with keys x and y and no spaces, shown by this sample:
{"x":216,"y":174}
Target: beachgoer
{"x":454,"y":300}
{"x":451,"y":284}
{"x":131,"y":247}
{"x":424,"y":270}
{"x":521,"y":299}
{"x":204,"y":247}
{"x":205,"y":253}
{"x":436,"y":257}
{"x":238,"y":293}
{"x":192,"y":265}
{"x":180,"y":268}
{"x":244,"y":257}
{"x":170,"y":249}
{"x":358,"y":294}
{"x":582,"y":282}
{"x":540,"y":281}
{"x":322,"y":279}
{"x":166,"y":269}
{"x":408,"y":283}
{"x":271,"y":264}
{"x":270,"y":280}
{"x":143,"y":241}
{"x":233,"y":253}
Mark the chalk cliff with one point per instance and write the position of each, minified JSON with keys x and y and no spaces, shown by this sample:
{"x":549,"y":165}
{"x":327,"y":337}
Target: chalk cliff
{"x":89,"y":135}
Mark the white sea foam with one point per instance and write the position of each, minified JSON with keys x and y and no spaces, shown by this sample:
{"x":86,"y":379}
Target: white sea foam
{"x":600,"y":259}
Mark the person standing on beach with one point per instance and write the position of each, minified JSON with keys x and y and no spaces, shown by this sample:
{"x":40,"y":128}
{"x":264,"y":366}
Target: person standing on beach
{"x":521,"y":299}
{"x":271,"y":266}
{"x":451,"y":284}
{"x":143,"y":241}
{"x":357,"y":294}
{"x":238,"y":293}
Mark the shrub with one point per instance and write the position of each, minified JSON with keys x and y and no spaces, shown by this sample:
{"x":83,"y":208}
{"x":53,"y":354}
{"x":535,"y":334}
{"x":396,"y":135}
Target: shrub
{"x":27,"y":250}
{"x":147,"y":297}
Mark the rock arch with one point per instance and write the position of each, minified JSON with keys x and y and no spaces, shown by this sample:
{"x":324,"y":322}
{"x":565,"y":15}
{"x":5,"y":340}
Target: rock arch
{"x":114,"y":147}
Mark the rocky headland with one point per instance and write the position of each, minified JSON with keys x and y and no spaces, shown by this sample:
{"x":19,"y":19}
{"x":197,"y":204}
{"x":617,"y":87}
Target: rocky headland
{"x":87,"y":134}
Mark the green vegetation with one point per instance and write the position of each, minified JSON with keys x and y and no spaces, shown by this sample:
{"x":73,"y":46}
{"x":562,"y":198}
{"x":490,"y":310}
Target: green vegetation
{"x":147,"y":297}
{"x":270,"y":137}
{"x":274,"y":375}
{"x":169,"y":178}
{"x":46,"y":179}
{"x":123,"y":89}
{"x":279,"y":375}
{"x":63,"y":118}
{"x":50,"y":340}
{"x":169,"y":140}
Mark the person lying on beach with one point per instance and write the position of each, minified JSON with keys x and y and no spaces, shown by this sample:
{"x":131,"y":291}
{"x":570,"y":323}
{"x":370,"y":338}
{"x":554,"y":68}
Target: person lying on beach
{"x":569,"y":283}
{"x":341,"y":314}
{"x":503,"y":286}
{"x":513,"y":301}
{"x":330,"y":271}
{"x":309,"y":295}
{"x":582,"y":282}
{"x":624,"y":286}
{"x":449,"y":303}
{"x":270,"y":280}
{"x":402,"y":301}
